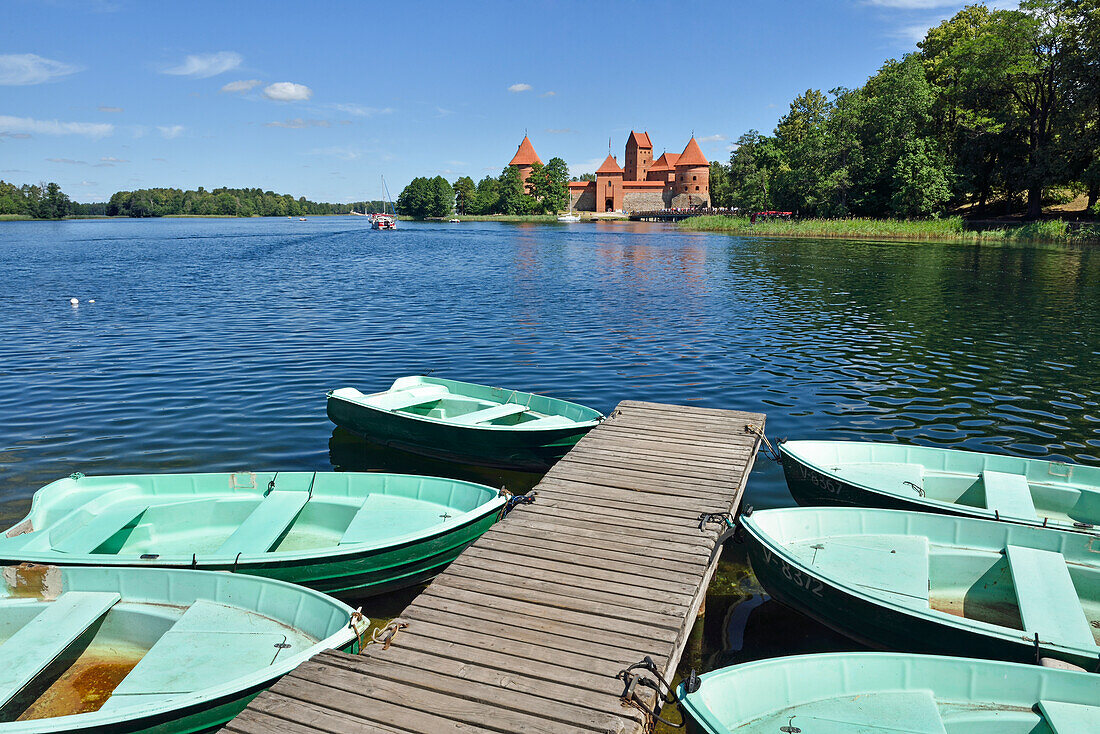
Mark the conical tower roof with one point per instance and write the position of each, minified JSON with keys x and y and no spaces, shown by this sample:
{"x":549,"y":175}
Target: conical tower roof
{"x":610,"y":165}
{"x":692,"y":156}
{"x":526,"y":155}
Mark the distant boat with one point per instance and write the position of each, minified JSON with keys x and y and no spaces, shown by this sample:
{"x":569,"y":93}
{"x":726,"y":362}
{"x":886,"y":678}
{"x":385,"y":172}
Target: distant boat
{"x":464,"y":422}
{"x":97,"y":649}
{"x":856,"y":692}
{"x":338,"y":532}
{"x":954,"y":482}
{"x":927,"y":583}
{"x":302,"y":219}
{"x":569,"y":218}
{"x":454,"y":220}
{"x":387,"y":218}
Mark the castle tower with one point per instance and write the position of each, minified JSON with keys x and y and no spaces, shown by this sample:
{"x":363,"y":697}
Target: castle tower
{"x":692,"y":186}
{"x":639,"y":156}
{"x":524,"y":158}
{"x":609,"y":186}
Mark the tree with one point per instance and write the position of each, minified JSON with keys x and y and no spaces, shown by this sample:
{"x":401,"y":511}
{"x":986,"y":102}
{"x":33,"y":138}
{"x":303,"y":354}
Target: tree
{"x":464,"y":191}
{"x":513,"y":198}
{"x":441,"y":199}
{"x":55,"y":204}
{"x":801,"y":137}
{"x":550,"y":185}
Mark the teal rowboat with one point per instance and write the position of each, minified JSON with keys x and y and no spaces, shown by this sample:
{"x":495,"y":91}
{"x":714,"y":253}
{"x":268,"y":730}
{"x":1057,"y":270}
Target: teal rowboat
{"x":463,"y":422}
{"x":344,"y":533}
{"x":127,"y":650}
{"x":967,"y":483}
{"x":920,"y":582}
{"x":879,"y":693}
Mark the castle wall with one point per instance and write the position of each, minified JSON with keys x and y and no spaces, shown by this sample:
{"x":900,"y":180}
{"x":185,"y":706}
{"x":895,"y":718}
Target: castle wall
{"x":644,"y":200}
{"x":584,"y":200}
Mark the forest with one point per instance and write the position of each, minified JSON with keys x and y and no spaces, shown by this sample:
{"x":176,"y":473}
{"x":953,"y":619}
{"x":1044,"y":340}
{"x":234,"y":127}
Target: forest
{"x":48,"y":201}
{"x":997,"y":111}
{"x":505,"y":194}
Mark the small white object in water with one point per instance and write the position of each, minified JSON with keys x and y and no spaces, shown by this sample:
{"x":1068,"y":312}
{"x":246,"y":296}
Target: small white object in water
{"x":92,"y":301}
{"x":74,"y":301}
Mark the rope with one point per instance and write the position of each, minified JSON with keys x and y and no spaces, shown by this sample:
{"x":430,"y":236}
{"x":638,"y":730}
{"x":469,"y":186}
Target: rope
{"x":384,"y":635}
{"x":769,"y":451}
{"x":630,"y":695}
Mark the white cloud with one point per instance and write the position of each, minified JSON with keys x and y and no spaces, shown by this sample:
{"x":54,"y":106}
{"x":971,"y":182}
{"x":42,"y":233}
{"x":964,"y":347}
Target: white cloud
{"x":288,"y":92}
{"x":202,"y":66}
{"x":112,"y":159}
{"x":21,"y":69}
{"x":11,"y":124}
{"x":67,"y":161}
{"x":711,"y":139}
{"x":520,"y":88}
{"x":298,"y":123}
{"x":549,"y":94}
{"x":241,"y":86}
{"x":105,"y":108}
{"x":15,"y":136}
{"x":443,"y":112}
{"x":336,"y":151}
{"x":170,"y":131}
{"x":360,"y":111}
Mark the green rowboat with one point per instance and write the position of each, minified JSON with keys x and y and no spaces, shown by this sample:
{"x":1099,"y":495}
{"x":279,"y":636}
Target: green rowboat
{"x":921,"y":582}
{"x":967,"y":483}
{"x":878,"y":693}
{"x":464,"y":422}
{"x":128,"y":650}
{"x":344,"y":533}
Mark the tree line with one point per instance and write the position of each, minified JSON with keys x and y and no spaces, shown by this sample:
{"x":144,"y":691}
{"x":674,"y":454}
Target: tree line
{"x":504,"y":194}
{"x":48,"y":201}
{"x":999,"y":109}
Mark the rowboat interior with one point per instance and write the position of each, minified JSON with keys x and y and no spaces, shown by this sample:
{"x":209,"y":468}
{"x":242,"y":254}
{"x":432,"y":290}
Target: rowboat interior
{"x":75,"y":641}
{"x":844,"y":693}
{"x":462,"y":404}
{"x":236,"y":515}
{"x":992,"y":583}
{"x":1006,"y":486}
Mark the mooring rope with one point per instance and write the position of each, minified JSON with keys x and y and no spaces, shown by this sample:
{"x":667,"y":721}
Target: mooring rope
{"x":769,"y":450}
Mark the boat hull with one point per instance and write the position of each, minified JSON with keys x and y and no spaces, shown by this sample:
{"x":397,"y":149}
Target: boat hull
{"x":529,"y":450}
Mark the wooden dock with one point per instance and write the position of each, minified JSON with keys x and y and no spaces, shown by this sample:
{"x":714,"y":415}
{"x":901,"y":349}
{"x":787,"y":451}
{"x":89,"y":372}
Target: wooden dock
{"x":527,"y":629}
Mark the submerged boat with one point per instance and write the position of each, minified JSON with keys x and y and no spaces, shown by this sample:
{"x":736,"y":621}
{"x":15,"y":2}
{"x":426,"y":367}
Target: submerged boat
{"x":151,"y":650}
{"x":464,"y":422}
{"x":842,"y":693}
{"x":921,"y":582}
{"x":339,"y":532}
{"x":896,"y":476}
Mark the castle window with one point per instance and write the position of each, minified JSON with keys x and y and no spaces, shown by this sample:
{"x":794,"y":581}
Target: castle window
{"x":693,"y":178}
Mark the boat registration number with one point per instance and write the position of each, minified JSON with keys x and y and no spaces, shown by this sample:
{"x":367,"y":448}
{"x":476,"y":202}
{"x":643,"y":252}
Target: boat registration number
{"x":830,"y":485}
{"x":793,"y":574}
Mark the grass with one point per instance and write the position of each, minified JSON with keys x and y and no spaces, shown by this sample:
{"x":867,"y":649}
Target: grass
{"x":14,"y":217}
{"x":496,"y":218}
{"x":947,"y":229}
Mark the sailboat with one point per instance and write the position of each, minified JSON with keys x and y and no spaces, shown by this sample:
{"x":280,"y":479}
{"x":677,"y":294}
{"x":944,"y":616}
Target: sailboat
{"x":387,"y":218}
{"x":570,"y":216}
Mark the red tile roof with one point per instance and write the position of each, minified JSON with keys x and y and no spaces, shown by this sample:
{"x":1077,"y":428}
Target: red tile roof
{"x":666,"y":162}
{"x":581,"y":184}
{"x":609,"y":166}
{"x":526,"y":154}
{"x":692,"y":156}
{"x":641,"y":140}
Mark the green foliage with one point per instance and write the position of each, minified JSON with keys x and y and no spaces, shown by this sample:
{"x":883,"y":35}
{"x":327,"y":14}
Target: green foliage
{"x":996,"y":104}
{"x":465,"y":193}
{"x":45,"y":201}
{"x":426,"y":197}
{"x":584,"y":177}
{"x":221,"y":202}
{"x":513,"y":199}
{"x":550,"y":186}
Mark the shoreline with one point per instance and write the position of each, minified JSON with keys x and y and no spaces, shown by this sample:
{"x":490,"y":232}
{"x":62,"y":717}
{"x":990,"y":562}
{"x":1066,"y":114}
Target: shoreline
{"x":947,"y":230}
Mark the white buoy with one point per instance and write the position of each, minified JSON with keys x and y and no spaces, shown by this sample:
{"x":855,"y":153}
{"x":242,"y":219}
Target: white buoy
{"x":91,"y":301}
{"x":74,"y":301}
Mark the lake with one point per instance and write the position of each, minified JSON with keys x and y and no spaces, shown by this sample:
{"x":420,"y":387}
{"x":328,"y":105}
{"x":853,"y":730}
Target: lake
{"x":212,"y":342}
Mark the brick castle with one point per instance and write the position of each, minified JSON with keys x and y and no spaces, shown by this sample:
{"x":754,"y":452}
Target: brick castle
{"x":671,"y":181}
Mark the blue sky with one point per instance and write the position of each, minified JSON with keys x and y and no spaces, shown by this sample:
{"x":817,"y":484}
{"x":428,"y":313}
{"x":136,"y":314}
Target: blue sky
{"x":321,"y":99}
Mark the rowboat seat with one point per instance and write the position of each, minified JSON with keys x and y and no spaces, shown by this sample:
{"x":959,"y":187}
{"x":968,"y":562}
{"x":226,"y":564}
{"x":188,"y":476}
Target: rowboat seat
{"x":265,"y":524}
{"x":488,"y":414}
{"x":45,"y":637}
{"x":1049,"y":604}
{"x":97,"y":531}
{"x":916,"y":712}
{"x":1009,"y":495}
{"x":210,"y":644}
{"x":548,"y":421}
{"x":894,"y":565}
{"x":1070,"y":718}
{"x":402,"y":399}
{"x":381,"y":517}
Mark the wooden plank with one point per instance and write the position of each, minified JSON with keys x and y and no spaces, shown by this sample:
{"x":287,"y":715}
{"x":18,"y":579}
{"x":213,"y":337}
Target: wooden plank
{"x":527,"y":629}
